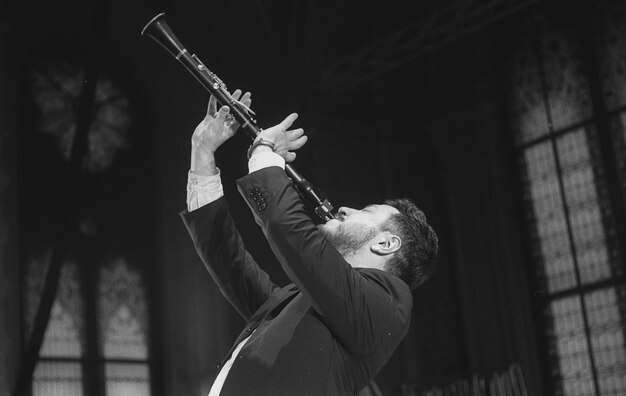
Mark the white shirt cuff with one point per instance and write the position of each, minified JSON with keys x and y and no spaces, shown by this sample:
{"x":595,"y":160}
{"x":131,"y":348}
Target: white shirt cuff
{"x":202,"y":190}
{"x":264,"y":159}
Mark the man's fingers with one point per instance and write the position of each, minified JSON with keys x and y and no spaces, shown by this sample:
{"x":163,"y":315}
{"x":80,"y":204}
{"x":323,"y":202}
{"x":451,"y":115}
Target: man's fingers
{"x":234,"y":125}
{"x":295,"y":133}
{"x":221,"y":115}
{"x":290,"y":157}
{"x":296,"y":144}
{"x":212,"y":106}
{"x":288,"y":121}
{"x":296,"y":138}
{"x":246,"y":99}
{"x":236,"y":94}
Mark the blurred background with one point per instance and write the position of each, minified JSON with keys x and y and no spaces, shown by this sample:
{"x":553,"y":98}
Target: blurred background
{"x":505,"y":121}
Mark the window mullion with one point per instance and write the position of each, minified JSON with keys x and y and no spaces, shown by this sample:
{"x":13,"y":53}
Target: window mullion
{"x":595,"y":119}
{"x":584,"y":289}
{"x":93,"y":382}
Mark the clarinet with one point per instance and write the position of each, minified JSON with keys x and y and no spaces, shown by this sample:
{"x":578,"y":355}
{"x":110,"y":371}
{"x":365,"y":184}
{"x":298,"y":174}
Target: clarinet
{"x":159,"y":31}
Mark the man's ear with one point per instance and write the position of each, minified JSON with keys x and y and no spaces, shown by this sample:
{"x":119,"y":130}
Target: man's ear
{"x":386,"y":243}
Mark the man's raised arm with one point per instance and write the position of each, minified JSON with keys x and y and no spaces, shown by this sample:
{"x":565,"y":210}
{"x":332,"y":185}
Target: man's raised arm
{"x":217,"y":241}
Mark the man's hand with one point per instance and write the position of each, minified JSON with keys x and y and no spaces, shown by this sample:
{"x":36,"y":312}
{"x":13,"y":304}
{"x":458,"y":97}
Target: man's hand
{"x":286,"y":141}
{"x":212,"y":132}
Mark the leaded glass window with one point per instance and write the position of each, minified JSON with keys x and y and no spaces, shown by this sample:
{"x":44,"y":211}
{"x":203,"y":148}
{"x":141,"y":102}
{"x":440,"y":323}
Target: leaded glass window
{"x":56,"y":85}
{"x":558,"y":129}
{"x":97,"y":339}
{"x":611,"y":44}
{"x":123,"y":323}
{"x":124,"y":330}
{"x":59,"y":370}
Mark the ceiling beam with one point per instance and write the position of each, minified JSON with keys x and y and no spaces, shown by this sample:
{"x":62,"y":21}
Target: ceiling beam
{"x":409,"y":43}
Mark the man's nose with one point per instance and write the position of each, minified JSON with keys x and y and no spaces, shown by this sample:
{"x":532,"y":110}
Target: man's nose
{"x":345,"y":211}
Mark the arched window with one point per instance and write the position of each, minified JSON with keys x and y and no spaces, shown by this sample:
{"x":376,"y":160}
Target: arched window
{"x":98,"y":337}
{"x":568,"y":113}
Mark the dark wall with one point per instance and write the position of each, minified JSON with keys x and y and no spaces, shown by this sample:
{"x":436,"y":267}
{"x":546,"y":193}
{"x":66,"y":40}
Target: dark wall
{"x":433,"y":130}
{"x":9,"y":279}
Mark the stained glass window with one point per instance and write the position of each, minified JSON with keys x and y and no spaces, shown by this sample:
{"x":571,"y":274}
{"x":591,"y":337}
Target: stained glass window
{"x":570,"y":215}
{"x":58,"y":378}
{"x":570,"y":346}
{"x":123,"y":312}
{"x":607,"y":340}
{"x":56,"y":84}
{"x":618,"y":133}
{"x":611,"y":49}
{"x":65,"y":328}
{"x":64,"y":336}
{"x":580,"y":190}
{"x":127,"y":379}
{"x":565,"y":85}
{"x":550,"y":231}
{"x":123,"y":324}
{"x":98,"y":333}
{"x":528,"y":110}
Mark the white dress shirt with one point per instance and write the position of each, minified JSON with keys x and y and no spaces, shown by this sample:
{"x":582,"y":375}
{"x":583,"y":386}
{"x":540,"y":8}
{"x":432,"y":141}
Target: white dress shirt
{"x":202,"y":190}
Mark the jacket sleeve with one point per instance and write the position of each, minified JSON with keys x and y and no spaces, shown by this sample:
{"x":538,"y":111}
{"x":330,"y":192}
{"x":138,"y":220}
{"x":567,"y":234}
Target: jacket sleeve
{"x":365,"y":308}
{"x":220,"y":246}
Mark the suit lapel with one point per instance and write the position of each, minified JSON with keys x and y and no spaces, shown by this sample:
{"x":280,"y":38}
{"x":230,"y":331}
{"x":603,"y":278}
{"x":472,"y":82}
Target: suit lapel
{"x":274,"y":305}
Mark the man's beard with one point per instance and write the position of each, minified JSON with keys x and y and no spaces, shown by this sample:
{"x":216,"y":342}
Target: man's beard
{"x":348,"y":238}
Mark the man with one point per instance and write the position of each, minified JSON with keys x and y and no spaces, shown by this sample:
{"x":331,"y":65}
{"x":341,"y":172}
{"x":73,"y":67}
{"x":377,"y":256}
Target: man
{"x":333,"y":329}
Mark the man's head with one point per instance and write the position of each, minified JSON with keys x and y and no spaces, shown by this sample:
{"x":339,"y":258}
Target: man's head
{"x":394,"y":236}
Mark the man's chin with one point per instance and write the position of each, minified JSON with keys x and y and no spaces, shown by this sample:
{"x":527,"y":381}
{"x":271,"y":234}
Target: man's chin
{"x":322,"y":228}
{"x":330,"y":227}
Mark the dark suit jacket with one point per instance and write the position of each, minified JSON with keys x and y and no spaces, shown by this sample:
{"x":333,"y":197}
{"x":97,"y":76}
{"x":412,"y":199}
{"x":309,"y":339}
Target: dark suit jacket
{"x":330,"y":331}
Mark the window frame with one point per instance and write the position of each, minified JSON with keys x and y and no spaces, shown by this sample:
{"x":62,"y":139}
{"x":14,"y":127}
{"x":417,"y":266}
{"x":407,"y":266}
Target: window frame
{"x":599,"y":119}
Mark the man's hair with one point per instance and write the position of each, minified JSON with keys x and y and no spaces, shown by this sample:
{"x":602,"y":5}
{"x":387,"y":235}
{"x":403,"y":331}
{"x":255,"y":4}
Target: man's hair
{"x":416,"y":259}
